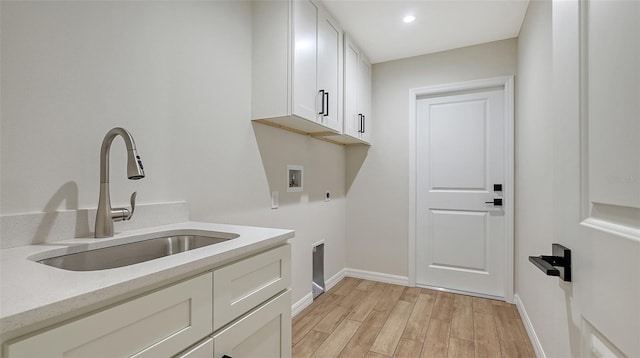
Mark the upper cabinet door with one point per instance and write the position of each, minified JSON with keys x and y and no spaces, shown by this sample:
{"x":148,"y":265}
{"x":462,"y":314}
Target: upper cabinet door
{"x":329,"y":84}
{"x":357,"y":93}
{"x":364,"y":97}
{"x":305,"y":60}
{"x":352,"y":116}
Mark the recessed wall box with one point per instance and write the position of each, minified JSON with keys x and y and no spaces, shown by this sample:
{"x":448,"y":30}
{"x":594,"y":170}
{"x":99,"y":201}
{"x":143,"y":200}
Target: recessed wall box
{"x":295,"y":178}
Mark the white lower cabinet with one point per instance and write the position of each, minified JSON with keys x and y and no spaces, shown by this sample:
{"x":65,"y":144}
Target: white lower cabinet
{"x":243,"y":285}
{"x":251,"y":297}
{"x":265,"y":332}
{"x":159,"y":324}
{"x":203,"y":349}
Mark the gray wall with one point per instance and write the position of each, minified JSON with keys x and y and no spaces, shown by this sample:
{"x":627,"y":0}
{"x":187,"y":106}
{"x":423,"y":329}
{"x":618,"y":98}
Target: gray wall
{"x":178,"y":76}
{"x":378,"y":193}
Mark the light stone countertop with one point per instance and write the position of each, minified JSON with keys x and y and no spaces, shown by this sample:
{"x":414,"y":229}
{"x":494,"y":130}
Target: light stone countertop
{"x":31,"y":292}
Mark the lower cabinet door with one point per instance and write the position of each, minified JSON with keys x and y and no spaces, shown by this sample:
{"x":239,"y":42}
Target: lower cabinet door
{"x":159,"y":324}
{"x":264,"y":332}
{"x":243,"y":285}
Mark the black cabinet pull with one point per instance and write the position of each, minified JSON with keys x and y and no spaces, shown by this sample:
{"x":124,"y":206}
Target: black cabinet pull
{"x":359,"y":122}
{"x":322,"y":112}
{"x":326,"y":113}
{"x":364,"y":121}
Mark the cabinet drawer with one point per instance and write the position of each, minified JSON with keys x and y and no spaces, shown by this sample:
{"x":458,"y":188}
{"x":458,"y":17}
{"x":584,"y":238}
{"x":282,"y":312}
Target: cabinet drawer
{"x":158,"y":324}
{"x":203,"y":349}
{"x":264,"y":332}
{"x":243,"y":285}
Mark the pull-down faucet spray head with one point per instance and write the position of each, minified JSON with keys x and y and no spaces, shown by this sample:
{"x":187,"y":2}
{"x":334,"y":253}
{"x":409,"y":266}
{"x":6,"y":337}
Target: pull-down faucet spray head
{"x":135,"y":170}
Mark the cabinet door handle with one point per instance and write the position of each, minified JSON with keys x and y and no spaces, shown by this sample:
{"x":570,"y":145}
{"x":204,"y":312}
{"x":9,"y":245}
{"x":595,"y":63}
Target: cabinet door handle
{"x":359,"y":122}
{"x":322,"y":106}
{"x":326,"y":113}
{"x":364,"y":121}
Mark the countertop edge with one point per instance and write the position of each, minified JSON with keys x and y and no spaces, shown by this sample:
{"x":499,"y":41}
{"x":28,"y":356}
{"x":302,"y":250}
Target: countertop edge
{"x":58,"y":311}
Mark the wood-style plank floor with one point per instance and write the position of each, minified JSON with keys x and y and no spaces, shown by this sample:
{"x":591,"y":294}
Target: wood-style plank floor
{"x":360,"y":318}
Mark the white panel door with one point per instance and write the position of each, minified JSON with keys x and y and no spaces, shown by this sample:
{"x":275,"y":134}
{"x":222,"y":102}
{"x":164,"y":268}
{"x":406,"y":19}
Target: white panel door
{"x":304,"y":94}
{"x":328,"y":79}
{"x":460,"y":156}
{"x":597,"y":171}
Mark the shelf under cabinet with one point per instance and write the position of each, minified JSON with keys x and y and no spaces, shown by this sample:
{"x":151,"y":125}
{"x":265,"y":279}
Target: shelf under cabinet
{"x":306,"y":127}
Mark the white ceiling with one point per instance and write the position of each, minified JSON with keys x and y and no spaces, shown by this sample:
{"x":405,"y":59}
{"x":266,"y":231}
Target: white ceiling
{"x":377,"y":27}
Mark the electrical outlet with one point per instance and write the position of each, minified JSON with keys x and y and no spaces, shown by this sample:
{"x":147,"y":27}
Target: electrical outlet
{"x":274,"y":200}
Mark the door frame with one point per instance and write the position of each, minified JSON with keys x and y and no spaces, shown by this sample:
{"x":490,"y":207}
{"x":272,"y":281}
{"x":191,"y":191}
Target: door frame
{"x":507,"y":84}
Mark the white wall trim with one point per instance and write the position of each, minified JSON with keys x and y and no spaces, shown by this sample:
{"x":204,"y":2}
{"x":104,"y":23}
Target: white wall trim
{"x":333,"y":280}
{"x":537,"y":346}
{"x":303,"y":303}
{"x":506,"y":82}
{"x":378,"y":276}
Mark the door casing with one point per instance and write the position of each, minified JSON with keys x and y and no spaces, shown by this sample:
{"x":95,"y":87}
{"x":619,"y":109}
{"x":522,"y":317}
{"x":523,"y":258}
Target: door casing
{"x":506,"y":83}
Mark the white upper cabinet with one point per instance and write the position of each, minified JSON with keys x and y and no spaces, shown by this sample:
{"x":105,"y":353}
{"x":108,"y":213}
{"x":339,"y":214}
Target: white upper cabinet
{"x":357,"y":94}
{"x":329,"y":76}
{"x":352,"y":119}
{"x":297,"y":63}
{"x":305,"y":60}
{"x":364,"y":97}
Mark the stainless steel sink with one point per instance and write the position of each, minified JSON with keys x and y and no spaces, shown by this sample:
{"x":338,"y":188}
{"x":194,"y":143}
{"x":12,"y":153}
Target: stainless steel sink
{"x":132,"y":253}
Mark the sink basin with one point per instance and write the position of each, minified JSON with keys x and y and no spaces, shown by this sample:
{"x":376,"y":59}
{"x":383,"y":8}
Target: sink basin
{"x":132,"y":253}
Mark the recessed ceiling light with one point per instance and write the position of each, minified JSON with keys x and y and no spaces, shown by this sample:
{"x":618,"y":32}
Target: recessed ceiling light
{"x":409,"y":18}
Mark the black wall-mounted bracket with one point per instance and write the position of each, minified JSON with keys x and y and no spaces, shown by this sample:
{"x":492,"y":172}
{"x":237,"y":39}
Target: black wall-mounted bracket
{"x":557,"y":265}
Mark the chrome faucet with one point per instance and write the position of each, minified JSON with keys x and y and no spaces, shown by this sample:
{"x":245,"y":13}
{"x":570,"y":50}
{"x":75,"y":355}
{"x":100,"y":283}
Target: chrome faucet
{"x":106,"y":215}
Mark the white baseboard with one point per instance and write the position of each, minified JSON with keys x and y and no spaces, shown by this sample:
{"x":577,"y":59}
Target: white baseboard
{"x":303,"y":303}
{"x":333,"y":280}
{"x":537,"y":347}
{"x":377,"y":276}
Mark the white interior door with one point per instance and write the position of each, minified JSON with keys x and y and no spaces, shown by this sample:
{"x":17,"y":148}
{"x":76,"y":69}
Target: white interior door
{"x":460,"y":238}
{"x":597,"y":170}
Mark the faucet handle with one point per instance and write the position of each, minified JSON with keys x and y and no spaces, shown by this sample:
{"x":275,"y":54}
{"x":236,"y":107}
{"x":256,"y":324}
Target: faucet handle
{"x":133,"y":205}
{"x":122,"y":214}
